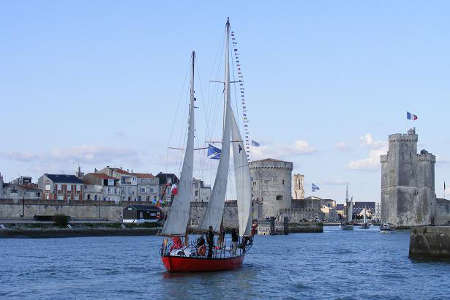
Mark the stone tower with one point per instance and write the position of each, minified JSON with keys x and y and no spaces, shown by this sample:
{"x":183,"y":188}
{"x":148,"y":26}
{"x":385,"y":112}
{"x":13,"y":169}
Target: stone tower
{"x":407,"y":182}
{"x":271,"y":186}
{"x":299,"y":191}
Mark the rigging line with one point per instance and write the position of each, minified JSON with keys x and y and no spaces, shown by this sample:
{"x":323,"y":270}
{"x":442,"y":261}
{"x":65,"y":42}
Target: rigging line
{"x":178,"y":104}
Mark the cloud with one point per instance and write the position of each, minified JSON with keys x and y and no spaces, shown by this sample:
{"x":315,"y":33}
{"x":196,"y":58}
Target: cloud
{"x":335,"y":182}
{"x":369,"y":141}
{"x":91,"y":154}
{"x":342,"y":146}
{"x":372,"y":162}
{"x":442,"y":161}
{"x":19,"y":156}
{"x":280,"y":151}
{"x":60,"y":159}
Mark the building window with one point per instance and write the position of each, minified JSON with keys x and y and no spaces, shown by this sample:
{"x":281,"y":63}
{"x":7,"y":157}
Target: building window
{"x":142,"y":190}
{"x":279,"y":197}
{"x":283,"y":181}
{"x":139,"y":197}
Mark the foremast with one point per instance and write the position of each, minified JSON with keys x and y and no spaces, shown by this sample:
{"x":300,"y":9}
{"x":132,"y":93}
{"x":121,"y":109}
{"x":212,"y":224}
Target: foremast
{"x":178,"y":215}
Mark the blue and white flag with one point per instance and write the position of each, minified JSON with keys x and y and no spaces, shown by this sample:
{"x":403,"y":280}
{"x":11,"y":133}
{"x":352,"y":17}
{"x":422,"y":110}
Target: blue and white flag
{"x":255,"y":144}
{"x":315,"y":188}
{"x":213,"y":152}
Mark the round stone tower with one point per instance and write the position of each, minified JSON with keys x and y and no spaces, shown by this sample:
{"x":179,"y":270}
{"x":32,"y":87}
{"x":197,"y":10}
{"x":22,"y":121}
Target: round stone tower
{"x":271,"y":186}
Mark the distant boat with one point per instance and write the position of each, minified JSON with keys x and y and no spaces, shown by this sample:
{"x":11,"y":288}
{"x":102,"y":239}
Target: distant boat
{"x":347,"y":224}
{"x":385,"y":227}
{"x":365,"y":224}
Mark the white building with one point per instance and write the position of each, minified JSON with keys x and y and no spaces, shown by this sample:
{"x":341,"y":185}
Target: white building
{"x":101,"y":187}
{"x":61,"y":187}
{"x":147,"y":187}
{"x":200,"y":191}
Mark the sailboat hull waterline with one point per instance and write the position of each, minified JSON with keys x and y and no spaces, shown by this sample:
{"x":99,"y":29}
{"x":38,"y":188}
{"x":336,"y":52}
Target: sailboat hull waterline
{"x":177,"y":264}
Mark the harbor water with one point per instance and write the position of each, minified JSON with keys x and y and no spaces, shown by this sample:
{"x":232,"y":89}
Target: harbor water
{"x":335,"y":264}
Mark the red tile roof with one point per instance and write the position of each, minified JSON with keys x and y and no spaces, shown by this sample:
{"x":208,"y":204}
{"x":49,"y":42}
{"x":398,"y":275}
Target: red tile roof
{"x":101,"y":175}
{"x":143,"y":175}
{"x":120,"y":171}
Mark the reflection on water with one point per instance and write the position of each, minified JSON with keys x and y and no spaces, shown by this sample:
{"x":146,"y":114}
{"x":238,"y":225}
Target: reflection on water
{"x":336,"y":264}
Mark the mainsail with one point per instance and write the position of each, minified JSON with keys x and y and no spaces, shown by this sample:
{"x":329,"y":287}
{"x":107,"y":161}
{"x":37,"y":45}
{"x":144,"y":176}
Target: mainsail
{"x":178,"y":216}
{"x":214,"y":211}
{"x":242,"y":177}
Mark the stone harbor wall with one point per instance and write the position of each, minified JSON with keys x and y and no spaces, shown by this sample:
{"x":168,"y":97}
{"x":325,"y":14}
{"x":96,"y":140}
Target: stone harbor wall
{"x":74,"y":209}
{"x":430,"y":242}
{"x":442,"y":214}
{"x":230,"y":214}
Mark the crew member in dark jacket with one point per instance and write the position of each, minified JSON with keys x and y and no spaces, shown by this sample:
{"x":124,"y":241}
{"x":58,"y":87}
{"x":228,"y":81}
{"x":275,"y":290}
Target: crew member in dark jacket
{"x":210,"y":241}
{"x":234,"y":240}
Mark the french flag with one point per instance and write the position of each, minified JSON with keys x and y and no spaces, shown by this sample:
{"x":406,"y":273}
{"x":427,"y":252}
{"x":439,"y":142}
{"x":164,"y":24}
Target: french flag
{"x":411,"y":116}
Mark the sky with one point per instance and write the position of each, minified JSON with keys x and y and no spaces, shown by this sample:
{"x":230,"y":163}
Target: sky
{"x":96,"y":83}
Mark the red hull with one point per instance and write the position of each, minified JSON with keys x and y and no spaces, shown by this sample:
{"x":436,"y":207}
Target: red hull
{"x":196,"y":264}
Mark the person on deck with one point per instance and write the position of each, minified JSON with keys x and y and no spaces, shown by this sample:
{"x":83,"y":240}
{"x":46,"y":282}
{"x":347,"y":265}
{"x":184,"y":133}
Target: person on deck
{"x":234,"y":240}
{"x":176,"y":243}
{"x":210,"y":241}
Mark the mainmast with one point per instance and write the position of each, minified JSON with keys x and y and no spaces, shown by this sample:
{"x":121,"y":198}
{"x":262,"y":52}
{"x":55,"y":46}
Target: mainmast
{"x":214,"y":211}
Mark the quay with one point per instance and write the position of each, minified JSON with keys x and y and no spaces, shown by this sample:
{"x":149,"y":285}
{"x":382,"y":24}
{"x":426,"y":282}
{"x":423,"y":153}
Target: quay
{"x":430,"y":242}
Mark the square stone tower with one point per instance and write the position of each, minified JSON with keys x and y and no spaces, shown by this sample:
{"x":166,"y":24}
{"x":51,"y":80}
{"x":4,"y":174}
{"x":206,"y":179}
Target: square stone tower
{"x":298,"y":191}
{"x":407,"y":182}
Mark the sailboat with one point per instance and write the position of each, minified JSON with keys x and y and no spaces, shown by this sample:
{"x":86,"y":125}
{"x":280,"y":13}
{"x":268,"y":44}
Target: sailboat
{"x":184,"y":257}
{"x":348,"y":224}
{"x":365,"y":224}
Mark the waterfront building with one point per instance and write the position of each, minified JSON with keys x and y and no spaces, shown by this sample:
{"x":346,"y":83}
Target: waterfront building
{"x":377,"y":214}
{"x":359,"y":207}
{"x":22,"y":180}
{"x":147,"y":187}
{"x":139,"y":213}
{"x":271,"y":187}
{"x":302,"y":210}
{"x":340,"y":210}
{"x":299,"y":190}
{"x":329,"y":210}
{"x":61,"y":187}
{"x":101,"y":187}
{"x":407,"y":182}
{"x":127,"y":181}
{"x":200,"y":192}
{"x":21,"y":188}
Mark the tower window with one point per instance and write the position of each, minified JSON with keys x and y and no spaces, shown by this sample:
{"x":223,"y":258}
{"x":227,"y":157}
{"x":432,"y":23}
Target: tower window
{"x":279,"y":197}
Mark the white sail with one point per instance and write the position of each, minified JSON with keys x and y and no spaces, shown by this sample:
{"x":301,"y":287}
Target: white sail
{"x":178,"y":216}
{"x":214,"y":211}
{"x":350,"y":210}
{"x":242,"y":177}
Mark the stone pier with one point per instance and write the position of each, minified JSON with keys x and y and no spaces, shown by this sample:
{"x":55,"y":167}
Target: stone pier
{"x":430,"y":242}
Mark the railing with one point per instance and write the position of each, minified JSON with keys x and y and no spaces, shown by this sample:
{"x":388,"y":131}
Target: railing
{"x":217,"y":252}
